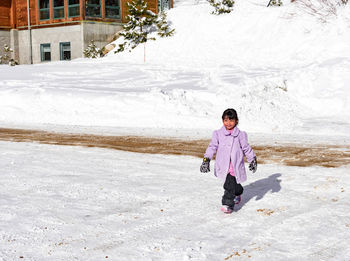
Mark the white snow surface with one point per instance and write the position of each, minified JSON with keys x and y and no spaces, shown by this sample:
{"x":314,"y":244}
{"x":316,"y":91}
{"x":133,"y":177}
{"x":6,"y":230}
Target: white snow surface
{"x":74,"y":203}
{"x":285,"y":70}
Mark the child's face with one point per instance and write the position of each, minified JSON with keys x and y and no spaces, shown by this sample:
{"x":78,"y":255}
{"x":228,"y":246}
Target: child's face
{"x":229,"y":124}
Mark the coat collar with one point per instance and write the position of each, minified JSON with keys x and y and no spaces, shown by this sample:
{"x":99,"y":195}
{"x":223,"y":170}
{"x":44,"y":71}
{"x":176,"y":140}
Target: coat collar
{"x":227,"y":133}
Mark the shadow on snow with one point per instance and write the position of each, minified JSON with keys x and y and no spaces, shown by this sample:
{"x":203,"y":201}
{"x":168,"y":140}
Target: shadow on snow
{"x":260,"y":188}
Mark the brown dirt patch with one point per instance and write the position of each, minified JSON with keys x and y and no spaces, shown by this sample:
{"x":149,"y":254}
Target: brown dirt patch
{"x":287,"y":154}
{"x":265,"y":212}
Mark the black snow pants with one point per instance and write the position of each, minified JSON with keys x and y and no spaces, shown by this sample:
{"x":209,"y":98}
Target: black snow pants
{"x":232,"y":189}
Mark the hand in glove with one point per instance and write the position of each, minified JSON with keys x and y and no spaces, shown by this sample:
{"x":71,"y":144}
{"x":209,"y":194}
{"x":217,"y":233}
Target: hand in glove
{"x":205,"y":167}
{"x":253,"y":165}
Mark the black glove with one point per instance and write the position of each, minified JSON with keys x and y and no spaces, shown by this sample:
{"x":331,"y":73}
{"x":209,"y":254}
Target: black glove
{"x":253,"y":165}
{"x":205,"y":167}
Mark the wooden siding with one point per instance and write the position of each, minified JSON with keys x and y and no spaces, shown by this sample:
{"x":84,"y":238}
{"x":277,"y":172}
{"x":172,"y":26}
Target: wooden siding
{"x":5,"y":11}
{"x":153,"y":5}
{"x":13,"y":14}
{"x":21,"y":19}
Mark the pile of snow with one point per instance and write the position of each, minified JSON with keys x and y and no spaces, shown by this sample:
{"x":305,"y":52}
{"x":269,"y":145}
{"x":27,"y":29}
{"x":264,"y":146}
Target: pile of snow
{"x":284,"y":69}
{"x":252,"y":36}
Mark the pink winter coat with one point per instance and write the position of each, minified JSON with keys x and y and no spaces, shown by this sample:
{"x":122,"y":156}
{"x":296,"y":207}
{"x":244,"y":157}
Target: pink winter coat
{"x":230,"y":146}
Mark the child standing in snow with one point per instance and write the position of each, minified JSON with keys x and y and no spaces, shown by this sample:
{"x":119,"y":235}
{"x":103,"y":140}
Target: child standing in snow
{"x":230,"y":145}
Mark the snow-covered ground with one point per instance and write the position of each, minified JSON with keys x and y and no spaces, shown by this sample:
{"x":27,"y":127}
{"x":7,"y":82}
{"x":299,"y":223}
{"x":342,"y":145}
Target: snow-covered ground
{"x":73,"y":203}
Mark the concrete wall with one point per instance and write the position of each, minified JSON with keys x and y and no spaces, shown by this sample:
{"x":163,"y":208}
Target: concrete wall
{"x":4,"y":39}
{"x":14,"y":44}
{"x":101,"y":33}
{"x":55,"y":36}
{"x":22,"y":41}
{"x":79,"y":37}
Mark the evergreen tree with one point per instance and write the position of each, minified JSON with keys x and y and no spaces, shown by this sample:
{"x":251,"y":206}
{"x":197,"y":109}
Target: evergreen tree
{"x":221,"y":6}
{"x":141,"y":24}
{"x":6,"y":57}
{"x":92,"y":51}
{"x":163,"y":26}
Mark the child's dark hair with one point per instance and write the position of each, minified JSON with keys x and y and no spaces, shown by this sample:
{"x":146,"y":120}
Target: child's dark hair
{"x":231,"y":114}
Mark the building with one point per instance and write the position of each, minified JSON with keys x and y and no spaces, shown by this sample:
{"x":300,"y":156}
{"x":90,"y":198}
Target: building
{"x":52,"y":30}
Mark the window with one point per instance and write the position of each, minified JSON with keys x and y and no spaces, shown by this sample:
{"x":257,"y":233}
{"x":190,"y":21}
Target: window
{"x":58,"y":9}
{"x":73,"y":8}
{"x":112,"y":9}
{"x":45,"y":51}
{"x":44,"y":9}
{"x":65,"y":51}
{"x":93,"y":8}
